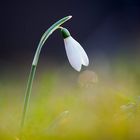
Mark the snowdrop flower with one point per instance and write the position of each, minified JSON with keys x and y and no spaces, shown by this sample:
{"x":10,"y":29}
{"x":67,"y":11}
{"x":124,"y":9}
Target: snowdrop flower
{"x":75,"y":53}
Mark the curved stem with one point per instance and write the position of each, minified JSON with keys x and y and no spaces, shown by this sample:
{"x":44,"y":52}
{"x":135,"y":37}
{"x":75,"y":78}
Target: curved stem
{"x":45,"y":36}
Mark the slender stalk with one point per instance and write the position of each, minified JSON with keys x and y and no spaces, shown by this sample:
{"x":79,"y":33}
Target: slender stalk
{"x":28,"y":93}
{"x":45,"y":36}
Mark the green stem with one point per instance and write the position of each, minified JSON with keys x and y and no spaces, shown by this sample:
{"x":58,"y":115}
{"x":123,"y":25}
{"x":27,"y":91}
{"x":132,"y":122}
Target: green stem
{"x":28,"y":93}
{"x":45,"y":36}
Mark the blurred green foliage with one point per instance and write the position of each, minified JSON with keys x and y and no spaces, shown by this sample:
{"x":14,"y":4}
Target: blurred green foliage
{"x":64,"y":108}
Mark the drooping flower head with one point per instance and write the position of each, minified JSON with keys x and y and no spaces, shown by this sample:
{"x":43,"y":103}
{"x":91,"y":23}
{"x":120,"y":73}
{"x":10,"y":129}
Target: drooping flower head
{"x":75,"y":53}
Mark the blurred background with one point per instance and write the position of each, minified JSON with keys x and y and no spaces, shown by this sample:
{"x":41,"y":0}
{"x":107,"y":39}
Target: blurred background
{"x":107,"y":30}
{"x":100,"y":102}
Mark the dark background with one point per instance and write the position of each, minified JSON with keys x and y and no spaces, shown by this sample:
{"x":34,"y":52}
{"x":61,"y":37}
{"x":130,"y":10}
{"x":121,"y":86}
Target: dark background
{"x":109,"y":28}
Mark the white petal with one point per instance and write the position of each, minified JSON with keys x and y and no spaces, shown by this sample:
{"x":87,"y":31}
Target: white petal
{"x":73,"y":53}
{"x":84,"y":57}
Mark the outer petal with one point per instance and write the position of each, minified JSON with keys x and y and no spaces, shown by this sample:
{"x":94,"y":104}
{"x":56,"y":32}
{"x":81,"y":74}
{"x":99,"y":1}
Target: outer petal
{"x":73,"y":53}
{"x":84,"y":57}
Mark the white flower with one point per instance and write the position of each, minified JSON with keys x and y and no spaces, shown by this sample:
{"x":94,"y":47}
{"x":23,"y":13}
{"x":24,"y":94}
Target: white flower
{"x":75,"y":53}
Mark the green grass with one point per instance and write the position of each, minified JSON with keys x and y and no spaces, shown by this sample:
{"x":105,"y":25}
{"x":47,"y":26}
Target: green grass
{"x":61,"y":108}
